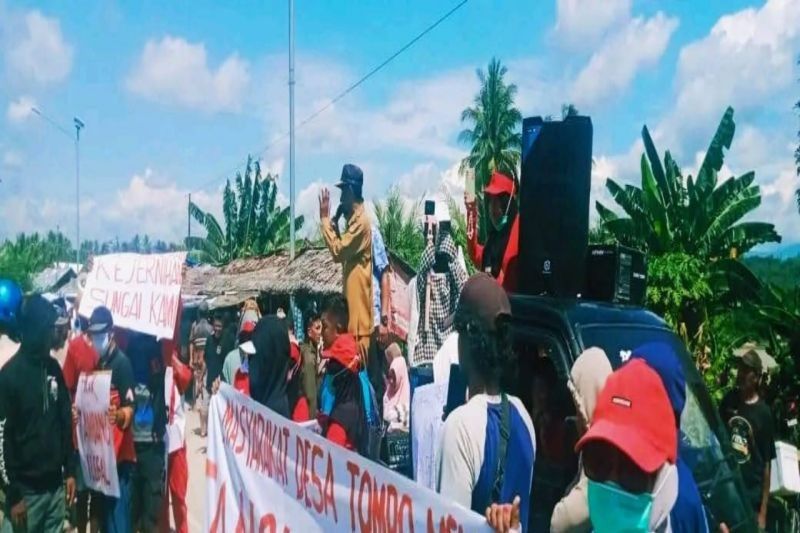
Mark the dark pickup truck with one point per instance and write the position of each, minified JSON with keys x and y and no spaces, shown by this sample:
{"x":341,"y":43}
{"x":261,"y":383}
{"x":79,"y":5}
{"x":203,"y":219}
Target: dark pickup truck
{"x":559,"y":330}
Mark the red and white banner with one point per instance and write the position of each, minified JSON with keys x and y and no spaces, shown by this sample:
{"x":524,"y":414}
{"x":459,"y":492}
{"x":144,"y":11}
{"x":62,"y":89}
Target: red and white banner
{"x":96,"y":434}
{"x":142,"y":291}
{"x":266,"y":473}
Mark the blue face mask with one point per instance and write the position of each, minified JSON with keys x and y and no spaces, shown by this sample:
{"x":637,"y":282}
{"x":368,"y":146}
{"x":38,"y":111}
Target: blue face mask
{"x":245,"y":367}
{"x":100,"y":342}
{"x":613,"y":510}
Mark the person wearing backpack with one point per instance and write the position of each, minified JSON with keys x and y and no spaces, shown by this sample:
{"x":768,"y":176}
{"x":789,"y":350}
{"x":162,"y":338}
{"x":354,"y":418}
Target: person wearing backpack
{"x":149,"y":426}
{"x":488,"y":445}
{"x":341,"y":403}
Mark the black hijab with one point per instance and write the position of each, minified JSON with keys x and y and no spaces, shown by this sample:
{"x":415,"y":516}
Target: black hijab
{"x":269,"y":366}
{"x":36,"y":328}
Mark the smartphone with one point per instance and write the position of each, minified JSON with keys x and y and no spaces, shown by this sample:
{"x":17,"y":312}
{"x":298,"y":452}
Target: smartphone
{"x":430,"y":208}
{"x":456,"y":390}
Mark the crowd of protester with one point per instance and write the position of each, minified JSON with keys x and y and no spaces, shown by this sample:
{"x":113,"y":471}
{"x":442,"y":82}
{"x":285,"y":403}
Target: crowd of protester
{"x":368,"y":392}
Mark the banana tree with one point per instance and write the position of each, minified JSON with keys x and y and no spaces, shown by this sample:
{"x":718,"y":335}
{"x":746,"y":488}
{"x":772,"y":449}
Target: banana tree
{"x":697,"y":216}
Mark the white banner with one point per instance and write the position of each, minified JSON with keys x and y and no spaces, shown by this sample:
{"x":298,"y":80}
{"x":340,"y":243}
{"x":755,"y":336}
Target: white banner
{"x":266,"y":473}
{"x":143,"y":292}
{"x":96,"y":434}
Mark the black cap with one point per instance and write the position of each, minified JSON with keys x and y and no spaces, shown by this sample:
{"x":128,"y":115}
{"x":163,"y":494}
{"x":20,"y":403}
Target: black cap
{"x":751,"y":359}
{"x":352,"y":177}
{"x":101,"y":320}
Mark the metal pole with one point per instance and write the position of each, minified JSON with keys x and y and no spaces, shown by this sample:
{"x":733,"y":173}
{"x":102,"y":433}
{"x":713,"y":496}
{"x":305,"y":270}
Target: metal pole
{"x":291,"y":131}
{"x":78,"y":126}
{"x":189,"y":221}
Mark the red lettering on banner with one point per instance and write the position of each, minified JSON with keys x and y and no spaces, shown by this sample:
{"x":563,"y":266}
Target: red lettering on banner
{"x":95,"y":427}
{"x":102,"y":269}
{"x":126,"y":304}
{"x":391,"y":509}
{"x":322,"y":501}
{"x":447,"y":524}
{"x":97,"y":469}
{"x":98,"y":295}
{"x":163,"y":309}
{"x":318,"y":504}
{"x":378,"y":509}
{"x":365,"y":523}
{"x":218,"y":521}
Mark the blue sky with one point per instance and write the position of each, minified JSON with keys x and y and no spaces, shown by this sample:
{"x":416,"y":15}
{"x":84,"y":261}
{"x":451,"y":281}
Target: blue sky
{"x":175,"y":98}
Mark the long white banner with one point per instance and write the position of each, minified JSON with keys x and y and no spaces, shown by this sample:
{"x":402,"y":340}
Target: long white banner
{"x":96,"y":434}
{"x":266,"y":473}
{"x":143,"y":292}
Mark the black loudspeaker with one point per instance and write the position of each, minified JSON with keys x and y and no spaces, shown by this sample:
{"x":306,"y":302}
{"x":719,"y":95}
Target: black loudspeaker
{"x":554,"y":205}
{"x":616,"y":274}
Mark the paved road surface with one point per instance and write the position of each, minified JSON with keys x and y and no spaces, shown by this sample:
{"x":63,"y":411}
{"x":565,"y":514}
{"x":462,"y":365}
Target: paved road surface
{"x":196,"y":454}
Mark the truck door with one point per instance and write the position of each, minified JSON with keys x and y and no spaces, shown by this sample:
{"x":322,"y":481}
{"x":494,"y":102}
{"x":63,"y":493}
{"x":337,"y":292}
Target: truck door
{"x":540,"y":383}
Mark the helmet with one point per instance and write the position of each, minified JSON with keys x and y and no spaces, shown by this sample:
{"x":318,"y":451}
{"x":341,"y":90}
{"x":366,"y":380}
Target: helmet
{"x":10,"y":301}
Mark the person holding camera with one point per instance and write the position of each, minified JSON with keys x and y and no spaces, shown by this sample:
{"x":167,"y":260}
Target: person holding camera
{"x":498,"y":255}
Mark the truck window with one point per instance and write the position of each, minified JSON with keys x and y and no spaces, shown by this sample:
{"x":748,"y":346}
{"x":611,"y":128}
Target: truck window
{"x":541,"y":384}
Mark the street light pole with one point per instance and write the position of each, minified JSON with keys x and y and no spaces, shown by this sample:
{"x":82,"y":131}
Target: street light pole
{"x":78,"y":126}
{"x":291,"y":131}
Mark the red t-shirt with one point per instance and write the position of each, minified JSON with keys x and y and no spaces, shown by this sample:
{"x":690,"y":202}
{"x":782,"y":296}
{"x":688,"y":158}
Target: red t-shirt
{"x":241,"y":382}
{"x":81,"y":358}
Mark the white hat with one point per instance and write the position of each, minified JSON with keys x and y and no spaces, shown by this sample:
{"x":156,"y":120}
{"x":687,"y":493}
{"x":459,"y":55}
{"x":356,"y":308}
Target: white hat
{"x":248,"y":347}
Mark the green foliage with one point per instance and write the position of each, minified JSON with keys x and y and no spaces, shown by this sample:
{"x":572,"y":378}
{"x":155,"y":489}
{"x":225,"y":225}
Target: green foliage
{"x":28,"y":255}
{"x":675,"y":281}
{"x":493,"y":133}
{"x":783,"y":273}
{"x":699,"y":216}
{"x":400,"y":227}
{"x":254,"y":224}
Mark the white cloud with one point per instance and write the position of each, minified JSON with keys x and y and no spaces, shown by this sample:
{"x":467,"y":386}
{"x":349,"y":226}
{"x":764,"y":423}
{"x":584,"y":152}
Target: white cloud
{"x":36,"y":48}
{"x":420,"y":116}
{"x":581,"y":24}
{"x":175,"y":71}
{"x":20,"y":109}
{"x":12,"y":159}
{"x":747,"y":60}
{"x":155,"y":206}
{"x":614,"y":65}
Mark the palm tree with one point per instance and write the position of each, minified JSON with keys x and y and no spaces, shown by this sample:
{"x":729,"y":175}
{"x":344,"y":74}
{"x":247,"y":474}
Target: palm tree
{"x":698,"y":217}
{"x":254,"y":224}
{"x":400,"y":227}
{"x":493,"y":132}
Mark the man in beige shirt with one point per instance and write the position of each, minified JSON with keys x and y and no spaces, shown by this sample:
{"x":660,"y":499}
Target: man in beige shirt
{"x":353,"y":249}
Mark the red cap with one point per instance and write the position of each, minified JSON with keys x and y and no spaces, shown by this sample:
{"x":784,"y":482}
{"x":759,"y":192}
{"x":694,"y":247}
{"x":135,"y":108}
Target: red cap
{"x":248,"y":327}
{"x":500,"y":184}
{"x":633,"y":414}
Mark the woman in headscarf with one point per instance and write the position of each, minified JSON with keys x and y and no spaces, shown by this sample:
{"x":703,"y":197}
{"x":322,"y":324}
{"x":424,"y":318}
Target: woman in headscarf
{"x":397,"y":398}
{"x":270,"y":364}
{"x":687,"y":514}
{"x":589,"y":374}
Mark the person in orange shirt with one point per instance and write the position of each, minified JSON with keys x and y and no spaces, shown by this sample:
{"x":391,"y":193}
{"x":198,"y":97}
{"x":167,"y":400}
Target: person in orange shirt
{"x":353,"y":249}
{"x":498,"y":255}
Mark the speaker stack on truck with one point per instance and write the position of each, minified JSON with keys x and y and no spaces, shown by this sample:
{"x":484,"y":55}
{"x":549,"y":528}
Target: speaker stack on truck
{"x":554,"y":254}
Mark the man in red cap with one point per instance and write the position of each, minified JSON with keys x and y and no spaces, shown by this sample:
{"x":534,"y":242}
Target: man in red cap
{"x":498,"y":255}
{"x":629,"y":453}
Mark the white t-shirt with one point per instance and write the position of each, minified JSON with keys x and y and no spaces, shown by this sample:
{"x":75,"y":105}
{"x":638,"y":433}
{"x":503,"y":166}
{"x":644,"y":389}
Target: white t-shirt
{"x":446,"y":356}
{"x":176,"y":414}
{"x":467,"y":457}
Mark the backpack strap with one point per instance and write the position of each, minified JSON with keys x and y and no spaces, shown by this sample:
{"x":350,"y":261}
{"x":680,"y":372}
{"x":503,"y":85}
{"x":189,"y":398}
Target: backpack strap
{"x":502,"y":448}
